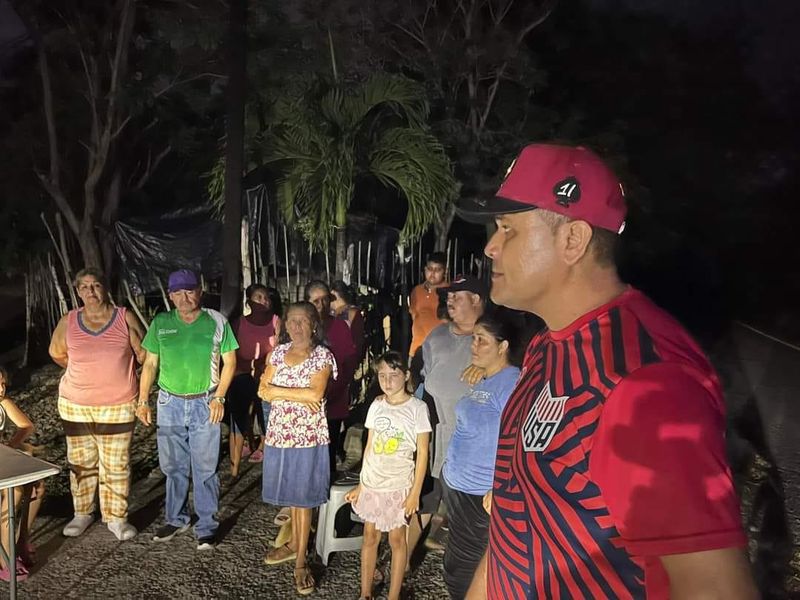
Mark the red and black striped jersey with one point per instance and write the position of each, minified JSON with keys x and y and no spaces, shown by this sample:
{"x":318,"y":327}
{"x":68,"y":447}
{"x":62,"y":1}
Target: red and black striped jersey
{"x":611,"y":454}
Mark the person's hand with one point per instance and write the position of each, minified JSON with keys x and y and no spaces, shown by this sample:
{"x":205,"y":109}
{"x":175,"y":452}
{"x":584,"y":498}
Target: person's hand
{"x":411,"y":504}
{"x":473,"y":374}
{"x":314,"y":405}
{"x":264,"y":391}
{"x":216,"y":410}
{"x":352,"y":495}
{"x":143,"y":413}
{"x":487,"y":502}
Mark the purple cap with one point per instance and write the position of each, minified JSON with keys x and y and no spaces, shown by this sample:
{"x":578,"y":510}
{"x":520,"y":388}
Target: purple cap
{"x":182,"y":280}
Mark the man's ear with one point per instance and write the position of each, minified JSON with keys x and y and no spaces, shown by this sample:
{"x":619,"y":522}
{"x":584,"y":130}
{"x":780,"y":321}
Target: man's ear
{"x":573,"y":241}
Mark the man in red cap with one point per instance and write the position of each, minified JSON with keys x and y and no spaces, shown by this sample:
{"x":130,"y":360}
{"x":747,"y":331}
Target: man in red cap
{"x":611,"y":479}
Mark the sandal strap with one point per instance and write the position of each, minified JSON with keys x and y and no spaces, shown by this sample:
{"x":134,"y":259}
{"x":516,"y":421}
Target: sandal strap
{"x":308,"y":576}
{"x":282,"y":549}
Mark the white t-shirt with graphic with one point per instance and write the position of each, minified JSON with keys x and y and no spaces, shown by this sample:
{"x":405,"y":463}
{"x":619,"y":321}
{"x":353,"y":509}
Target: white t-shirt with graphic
{"x":389,"y":463}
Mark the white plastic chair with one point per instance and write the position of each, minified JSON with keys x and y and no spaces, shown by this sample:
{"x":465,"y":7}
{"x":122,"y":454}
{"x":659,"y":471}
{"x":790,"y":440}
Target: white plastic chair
{"x":327,"y":542}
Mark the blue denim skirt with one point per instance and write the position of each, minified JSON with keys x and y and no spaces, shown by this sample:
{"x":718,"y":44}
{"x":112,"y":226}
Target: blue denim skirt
{"x":298,"y":477}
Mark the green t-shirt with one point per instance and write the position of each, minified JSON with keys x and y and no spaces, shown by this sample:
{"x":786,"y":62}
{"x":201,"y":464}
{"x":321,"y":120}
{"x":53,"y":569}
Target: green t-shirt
{"x":188,"y":354}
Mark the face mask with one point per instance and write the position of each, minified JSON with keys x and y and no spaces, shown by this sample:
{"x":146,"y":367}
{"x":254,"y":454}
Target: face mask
{"x":260,"y":308}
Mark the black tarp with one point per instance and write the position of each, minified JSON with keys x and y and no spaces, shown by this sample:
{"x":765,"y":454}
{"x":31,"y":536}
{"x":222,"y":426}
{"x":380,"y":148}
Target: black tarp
{"x":191,"y":238}
{"x":365,"y":229}
{"x":151,"y":248}
{"x":761,"y":376}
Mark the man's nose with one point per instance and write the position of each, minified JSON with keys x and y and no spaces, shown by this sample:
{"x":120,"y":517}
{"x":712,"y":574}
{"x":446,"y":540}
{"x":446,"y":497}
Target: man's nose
{"x":492,"y":246}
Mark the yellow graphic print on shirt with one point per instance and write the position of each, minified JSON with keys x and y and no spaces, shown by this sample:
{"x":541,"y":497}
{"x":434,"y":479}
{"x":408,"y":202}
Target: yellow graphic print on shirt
{"x":387,"y":438}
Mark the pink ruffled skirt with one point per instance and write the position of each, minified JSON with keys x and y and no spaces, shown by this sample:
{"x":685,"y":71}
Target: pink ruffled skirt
{"x":384,"y":509}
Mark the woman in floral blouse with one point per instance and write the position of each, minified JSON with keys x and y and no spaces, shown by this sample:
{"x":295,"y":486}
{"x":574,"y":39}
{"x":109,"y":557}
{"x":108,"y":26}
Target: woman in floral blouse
{"x":296,"y":463}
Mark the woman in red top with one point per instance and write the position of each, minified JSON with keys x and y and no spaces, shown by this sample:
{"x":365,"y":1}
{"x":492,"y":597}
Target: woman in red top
{"x":257,"y":333}
{"x":340,"y":342}
{"x":343,"y":306}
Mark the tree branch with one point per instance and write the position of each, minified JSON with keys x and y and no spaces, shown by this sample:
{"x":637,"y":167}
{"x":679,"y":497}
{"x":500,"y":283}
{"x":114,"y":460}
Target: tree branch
{"x":491,"y":12}
{"x":492,"y":93}
{"x":92,"y":97}
{"x":176,"y":83}
{"x":50,"y":119}
{"x":113,"y":195}
{"x":52,"y":181}
{"x":120,"y":57}
{"x":151,"y":167}
{"x":150,"y":125}
{"x":121,"y":127}
{"x":61,"y":202}
{"x":546,"y":9}
{"x":98,"y":155}
{"x":412,"y":35}
{"x":504,"y":12}
{"x":548,"y":6}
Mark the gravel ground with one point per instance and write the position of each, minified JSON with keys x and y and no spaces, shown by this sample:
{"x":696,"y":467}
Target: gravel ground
{"x":96,"y":565}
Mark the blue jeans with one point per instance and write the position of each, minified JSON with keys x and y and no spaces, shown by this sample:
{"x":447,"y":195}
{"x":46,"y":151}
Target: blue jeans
{"x":188,"y":443}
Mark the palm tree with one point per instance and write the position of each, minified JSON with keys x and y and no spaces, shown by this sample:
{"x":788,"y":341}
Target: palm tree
{"x":329,"y":136}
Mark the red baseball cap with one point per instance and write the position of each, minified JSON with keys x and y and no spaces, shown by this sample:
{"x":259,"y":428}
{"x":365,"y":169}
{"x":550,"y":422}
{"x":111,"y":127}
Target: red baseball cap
{"x":571,"y":181}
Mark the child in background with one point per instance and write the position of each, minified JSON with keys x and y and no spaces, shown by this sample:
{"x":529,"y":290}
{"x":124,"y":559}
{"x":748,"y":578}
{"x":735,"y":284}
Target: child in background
{"x":391,"y":478}
{"x":32,"y":494}
{"x":424,"y":302}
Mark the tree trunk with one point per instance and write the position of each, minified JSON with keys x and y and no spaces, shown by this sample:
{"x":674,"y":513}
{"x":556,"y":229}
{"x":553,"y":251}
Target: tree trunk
{"x":235,"y":96}
{"x":341,"y":251}
{"x":442,"y":228}
{"x":90,"y":249}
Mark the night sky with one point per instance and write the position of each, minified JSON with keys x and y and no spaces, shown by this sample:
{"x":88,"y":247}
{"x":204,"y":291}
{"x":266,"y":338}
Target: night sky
{"x":767,"y":30}
{"x":766,"y":44}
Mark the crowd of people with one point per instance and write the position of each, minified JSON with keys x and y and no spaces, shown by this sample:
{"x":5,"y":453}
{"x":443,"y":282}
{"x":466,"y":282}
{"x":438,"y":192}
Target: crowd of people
{"x":591,"y":467}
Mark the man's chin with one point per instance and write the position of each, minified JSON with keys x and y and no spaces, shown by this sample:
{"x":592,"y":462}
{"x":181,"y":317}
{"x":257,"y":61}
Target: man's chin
{"x":501,"y":298}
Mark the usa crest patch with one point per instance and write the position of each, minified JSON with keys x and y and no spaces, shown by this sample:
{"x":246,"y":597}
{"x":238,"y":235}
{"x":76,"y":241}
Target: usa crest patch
{"x":542,"y":423}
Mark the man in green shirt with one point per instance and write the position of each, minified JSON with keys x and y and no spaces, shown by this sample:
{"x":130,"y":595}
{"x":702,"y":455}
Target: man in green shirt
{"x":184,"y":347}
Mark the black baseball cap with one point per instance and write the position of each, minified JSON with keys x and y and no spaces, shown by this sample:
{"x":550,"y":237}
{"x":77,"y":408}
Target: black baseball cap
{"x":466,"y":283}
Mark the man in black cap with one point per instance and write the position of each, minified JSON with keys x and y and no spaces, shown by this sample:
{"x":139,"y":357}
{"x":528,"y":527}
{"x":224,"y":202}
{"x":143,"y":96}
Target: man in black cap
{"x":446,"y":353}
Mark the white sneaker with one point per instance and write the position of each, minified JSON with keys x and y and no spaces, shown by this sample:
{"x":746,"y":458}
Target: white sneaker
{"x":78,"y":525}
{"x":123,"y":530}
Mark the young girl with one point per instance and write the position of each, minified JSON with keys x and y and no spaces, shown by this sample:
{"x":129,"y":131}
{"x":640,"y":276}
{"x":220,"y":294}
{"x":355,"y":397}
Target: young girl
{"x":33,"y":494}
{"x":391,"y":479}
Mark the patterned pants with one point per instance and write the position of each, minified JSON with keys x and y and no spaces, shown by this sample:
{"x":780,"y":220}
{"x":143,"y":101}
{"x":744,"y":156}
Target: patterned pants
{"x":98,"y":443}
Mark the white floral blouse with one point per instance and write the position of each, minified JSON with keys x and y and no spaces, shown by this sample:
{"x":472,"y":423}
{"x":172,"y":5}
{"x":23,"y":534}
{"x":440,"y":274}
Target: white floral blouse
{"x":292,"y":424}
